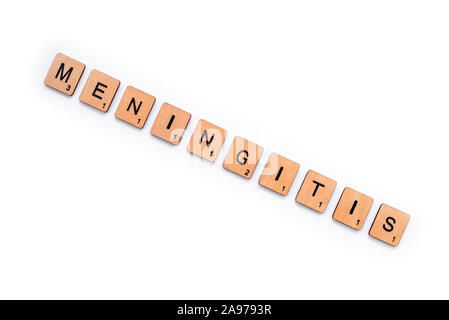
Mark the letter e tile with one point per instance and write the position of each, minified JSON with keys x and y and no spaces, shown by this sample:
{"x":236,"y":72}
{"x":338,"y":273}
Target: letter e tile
{"x":99,"y":90}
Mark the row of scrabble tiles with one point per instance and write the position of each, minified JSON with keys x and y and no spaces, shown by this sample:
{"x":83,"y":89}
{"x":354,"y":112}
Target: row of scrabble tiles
{"x":242,"y":158}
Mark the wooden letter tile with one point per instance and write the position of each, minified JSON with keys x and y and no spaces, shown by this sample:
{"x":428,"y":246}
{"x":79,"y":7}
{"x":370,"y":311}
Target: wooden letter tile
{"x":316,"y":191}
{"x":170,"y":123}
{"x":389,"y":225}
{"x":242,"y":157}
{"x":135,"y":107}
{"x":353,"y":208}
{"x":278,"y":174}
{"x":64,"y":74}
{"x":99,"y":91}
{"x":206,"y":140}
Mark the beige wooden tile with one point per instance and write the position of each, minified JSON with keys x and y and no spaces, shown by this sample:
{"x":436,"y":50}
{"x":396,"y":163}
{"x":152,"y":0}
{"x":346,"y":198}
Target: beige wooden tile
{"x":206,"y":140}
{"x":135,"y":107}
{"x":242,"y":157}
{"x":353,"y":208}
{"x":316,"y":191}
{"x":278,"y":174}
{"x":64,"y":74}
{"x":170,"y":123}
{"x":99,"y":90}
{"x":389,"y":225}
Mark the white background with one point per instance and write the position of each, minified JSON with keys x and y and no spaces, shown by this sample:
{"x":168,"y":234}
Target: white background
{"x":91,"y":207}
